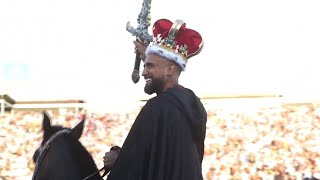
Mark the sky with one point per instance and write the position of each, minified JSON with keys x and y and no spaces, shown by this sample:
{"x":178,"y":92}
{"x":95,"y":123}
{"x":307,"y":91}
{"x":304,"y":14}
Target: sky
{"x":80,"y":49}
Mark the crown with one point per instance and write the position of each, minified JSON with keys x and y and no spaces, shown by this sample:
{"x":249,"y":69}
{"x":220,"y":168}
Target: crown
{"x":175,"y":42}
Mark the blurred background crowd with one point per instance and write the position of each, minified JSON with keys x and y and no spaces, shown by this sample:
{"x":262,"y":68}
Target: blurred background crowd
{"x":271,"y":143}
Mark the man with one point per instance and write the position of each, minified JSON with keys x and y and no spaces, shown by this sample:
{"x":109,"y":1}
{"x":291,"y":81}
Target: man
{"x":166,"y":141}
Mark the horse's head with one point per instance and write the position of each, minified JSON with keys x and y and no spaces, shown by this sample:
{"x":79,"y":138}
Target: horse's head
{"x":49,"y":130}
{"x":61,"y":155}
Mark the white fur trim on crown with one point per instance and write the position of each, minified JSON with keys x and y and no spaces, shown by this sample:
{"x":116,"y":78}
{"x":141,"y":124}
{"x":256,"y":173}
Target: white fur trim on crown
{"x":167,"y":54}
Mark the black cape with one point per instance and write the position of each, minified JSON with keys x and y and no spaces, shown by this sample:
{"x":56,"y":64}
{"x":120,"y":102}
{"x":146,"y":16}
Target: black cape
{"x":166,"y":141}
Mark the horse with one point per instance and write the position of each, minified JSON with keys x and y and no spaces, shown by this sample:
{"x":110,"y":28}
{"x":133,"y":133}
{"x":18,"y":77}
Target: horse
{"x":61,"y":156}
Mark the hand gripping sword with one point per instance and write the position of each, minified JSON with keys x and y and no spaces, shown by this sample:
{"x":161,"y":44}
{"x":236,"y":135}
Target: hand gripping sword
{"x":141,"y":32}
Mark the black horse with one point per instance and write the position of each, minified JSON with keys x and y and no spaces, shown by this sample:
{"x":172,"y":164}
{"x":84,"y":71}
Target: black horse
{"x":61,"y":156}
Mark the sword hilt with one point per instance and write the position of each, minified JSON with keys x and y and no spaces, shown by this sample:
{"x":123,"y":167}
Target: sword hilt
{"x":135,"y":76}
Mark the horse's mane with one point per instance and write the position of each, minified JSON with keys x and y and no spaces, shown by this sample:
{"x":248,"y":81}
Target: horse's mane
{"x":66,"y":158}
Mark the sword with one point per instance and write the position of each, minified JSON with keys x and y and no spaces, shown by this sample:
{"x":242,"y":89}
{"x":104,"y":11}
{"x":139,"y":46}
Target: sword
{"x":142,"y":35}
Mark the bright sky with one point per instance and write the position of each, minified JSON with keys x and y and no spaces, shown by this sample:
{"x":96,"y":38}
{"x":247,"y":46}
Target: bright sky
{"x":81,"y":49}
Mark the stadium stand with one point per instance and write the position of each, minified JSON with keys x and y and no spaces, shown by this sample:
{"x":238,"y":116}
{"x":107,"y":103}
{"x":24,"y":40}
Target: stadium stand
{"x":262,"y":139}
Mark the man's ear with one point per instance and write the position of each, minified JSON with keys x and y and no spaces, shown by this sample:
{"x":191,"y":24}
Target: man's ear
{"x":173,"y":68}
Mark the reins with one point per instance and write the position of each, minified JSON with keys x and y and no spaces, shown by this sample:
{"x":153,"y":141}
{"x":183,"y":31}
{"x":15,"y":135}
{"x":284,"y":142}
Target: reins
{"x":43,"y":150}
{"x":114,"y":148}
{"x":105,"y":173}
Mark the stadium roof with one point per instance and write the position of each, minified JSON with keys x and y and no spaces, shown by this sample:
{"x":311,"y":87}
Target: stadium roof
{"x":7,"y":98}
{"x":51,"y":101}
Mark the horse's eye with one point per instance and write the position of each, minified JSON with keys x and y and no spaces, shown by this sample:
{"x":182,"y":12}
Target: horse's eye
{"x":35,"y":156}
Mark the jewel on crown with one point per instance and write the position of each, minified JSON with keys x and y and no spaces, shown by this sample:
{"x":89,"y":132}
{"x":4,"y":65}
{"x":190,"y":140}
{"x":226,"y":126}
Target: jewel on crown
{"x":171,"y":44}
{"x":177,"y":49}
{"x":184,"y":50}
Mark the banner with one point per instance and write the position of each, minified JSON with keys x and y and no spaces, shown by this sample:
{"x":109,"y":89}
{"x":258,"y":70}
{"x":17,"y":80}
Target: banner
{"x":15,"y":72}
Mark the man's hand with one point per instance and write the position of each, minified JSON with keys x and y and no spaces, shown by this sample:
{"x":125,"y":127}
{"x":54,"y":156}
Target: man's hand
{"x":110,"y":157}
{"x":141,"y":48}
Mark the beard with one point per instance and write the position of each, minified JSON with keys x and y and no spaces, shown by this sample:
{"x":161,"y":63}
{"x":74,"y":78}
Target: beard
{"x":156,"y":86}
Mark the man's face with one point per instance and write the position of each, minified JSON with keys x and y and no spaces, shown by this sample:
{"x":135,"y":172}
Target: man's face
{"x":154,"y":74}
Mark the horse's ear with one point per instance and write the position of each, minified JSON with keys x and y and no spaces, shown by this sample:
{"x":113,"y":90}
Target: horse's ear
{"x":77,"y":131}
{"x":46,"y":122}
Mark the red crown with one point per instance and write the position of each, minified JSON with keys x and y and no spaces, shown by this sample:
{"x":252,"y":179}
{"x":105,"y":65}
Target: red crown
{"x":174,"y":41}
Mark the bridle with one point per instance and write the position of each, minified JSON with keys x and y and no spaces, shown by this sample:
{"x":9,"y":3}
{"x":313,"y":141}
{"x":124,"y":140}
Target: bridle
{"x":44,"y":149}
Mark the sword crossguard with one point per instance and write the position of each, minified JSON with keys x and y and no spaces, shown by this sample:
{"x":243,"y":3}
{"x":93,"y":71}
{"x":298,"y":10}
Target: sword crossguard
{"x":141,"y":32}
{"x":144,"y":20}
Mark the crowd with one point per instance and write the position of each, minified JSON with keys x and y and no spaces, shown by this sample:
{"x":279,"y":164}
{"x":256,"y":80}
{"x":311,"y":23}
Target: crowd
{"x":273,"y":143}
{"x":277,"y":143}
